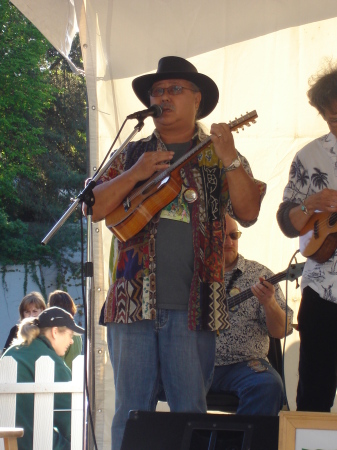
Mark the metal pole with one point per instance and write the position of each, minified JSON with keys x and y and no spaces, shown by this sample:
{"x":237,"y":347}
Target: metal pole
{"x":87,"y":197}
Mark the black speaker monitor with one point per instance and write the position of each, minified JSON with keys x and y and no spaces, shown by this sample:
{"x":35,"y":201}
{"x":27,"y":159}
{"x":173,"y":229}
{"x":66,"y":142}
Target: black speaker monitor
{"x":219,"y":435}
{"x":191,"y":431}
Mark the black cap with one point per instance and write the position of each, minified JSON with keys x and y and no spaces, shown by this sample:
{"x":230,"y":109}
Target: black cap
{"x":58,"y":317}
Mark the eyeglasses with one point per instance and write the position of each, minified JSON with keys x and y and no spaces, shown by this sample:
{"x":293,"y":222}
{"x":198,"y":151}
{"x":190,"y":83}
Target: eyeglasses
{"x":172,"y":90}
{"x":235,"y":235}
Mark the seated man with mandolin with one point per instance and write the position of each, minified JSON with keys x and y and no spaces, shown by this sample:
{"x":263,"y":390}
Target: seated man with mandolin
{"x":255,"y":312}
{"x":309,"y":210}
{"x":167,"y":296}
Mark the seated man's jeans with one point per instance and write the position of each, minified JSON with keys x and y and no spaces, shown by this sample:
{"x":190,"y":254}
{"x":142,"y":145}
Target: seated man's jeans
{"x":146,"y":353}
{"x":259,"y":392}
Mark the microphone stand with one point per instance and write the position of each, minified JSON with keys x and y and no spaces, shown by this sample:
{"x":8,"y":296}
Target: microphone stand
{"x":87,"y":197}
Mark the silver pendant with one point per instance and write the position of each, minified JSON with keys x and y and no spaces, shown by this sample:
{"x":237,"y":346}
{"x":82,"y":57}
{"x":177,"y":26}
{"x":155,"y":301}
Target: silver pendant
{"x":190,"y":195}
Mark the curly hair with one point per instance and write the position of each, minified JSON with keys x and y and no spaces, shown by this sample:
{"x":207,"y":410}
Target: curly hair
{"x":323,"y":87}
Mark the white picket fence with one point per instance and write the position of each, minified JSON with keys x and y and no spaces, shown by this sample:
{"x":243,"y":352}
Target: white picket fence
{"x":44,"y":389}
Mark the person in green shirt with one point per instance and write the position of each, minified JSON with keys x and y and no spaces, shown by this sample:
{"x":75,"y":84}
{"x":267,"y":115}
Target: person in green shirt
{"x":49,"y":334}
{"x":63,"y":300}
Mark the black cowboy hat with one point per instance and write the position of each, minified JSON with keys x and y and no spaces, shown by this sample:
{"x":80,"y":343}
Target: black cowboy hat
{"x":174,"y":67}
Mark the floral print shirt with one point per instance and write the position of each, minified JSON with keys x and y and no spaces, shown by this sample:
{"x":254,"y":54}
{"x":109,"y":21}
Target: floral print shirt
{"x":132,"y":292}
{"x":247,"y":338}
{"x":313,"y":169}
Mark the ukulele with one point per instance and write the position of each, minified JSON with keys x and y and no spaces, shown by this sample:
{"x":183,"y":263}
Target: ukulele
{"x":318,"y":238}
{"x":294,"y":272}
{"x":142,"y":203}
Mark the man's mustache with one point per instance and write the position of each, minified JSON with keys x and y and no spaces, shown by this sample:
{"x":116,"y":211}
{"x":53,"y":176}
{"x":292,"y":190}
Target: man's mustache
{"x":165,"y":105}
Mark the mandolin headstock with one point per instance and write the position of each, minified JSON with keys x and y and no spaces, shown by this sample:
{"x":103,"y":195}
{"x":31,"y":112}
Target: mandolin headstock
{"x":241,"y":122}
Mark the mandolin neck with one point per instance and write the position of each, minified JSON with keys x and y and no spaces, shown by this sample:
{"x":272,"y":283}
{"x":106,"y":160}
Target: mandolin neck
{"x":158,"y":177}
{"x":189,"y":155}
{"x":162,"y":175}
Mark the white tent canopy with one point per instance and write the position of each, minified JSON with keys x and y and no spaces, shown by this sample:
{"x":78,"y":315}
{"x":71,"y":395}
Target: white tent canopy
{"x":260,"y":53}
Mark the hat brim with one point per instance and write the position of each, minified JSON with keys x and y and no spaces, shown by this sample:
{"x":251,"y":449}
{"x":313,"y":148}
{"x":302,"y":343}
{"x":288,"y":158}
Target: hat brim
{"x":75,"y":328}
{"x":209,"y":90}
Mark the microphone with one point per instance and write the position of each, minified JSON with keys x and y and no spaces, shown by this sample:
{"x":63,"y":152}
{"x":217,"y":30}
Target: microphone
{"x":154,"y":111}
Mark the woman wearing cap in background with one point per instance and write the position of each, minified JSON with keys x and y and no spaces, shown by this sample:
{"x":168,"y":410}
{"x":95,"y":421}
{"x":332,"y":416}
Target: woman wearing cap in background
{"x":50,"y":334}
{"x":63,"y":300}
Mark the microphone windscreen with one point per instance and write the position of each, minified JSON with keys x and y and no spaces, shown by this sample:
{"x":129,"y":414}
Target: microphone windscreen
{"x":157,"y":111}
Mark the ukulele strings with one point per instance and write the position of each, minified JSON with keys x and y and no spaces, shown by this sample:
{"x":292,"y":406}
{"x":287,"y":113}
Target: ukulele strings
{"x":164,"y":173}
{"x":238,"y":298}
{"x":241,"y":122}
{"x":326,"y":221}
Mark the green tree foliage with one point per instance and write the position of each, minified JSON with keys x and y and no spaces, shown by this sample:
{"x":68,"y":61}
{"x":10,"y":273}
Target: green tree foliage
{"x":25,"y":96}
{"x":42,"y":143}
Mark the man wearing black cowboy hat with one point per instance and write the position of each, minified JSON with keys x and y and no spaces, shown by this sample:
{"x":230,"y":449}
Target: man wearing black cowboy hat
{"x":167,"y":298}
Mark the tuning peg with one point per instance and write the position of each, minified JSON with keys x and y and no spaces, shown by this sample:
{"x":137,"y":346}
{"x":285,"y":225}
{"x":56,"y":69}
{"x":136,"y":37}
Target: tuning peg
{"x":248,"y":124}
{"x":237,"y":130}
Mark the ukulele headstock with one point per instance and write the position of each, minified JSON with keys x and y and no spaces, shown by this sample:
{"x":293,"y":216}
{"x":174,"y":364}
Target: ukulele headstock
{"x":244,"y":120}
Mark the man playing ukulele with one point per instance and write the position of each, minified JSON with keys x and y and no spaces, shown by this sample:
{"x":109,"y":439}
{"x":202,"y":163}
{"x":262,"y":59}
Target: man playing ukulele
{"x":167,"y":296}
{"x":312,"y":187}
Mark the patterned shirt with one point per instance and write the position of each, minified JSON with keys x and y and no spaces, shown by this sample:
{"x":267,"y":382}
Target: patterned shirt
{"x":313,"y":169}
{"x":132,"y":292}
{"x":247,"y":338}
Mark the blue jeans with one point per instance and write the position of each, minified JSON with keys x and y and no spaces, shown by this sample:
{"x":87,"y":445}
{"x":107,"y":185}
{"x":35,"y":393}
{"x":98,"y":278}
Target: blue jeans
{"x":260,"y":393}
{"x":149,"y":353}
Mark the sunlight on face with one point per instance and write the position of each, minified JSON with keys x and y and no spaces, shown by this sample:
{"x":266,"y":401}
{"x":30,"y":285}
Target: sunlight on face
{"x":178,"y":110}
{"x":63,"y":340}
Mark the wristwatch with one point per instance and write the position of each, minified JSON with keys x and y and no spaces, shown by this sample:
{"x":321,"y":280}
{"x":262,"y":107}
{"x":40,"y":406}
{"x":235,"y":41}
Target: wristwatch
{"x":234,"y":164}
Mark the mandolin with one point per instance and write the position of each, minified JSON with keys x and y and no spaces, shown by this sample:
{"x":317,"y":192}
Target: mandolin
{"x":294,"y":272}
{"x":318,"y":238}
{"x":142,"y":203}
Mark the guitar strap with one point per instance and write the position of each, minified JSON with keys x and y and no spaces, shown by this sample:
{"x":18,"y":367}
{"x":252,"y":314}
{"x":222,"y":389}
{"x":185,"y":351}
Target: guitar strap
{"x":235,"y":275}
